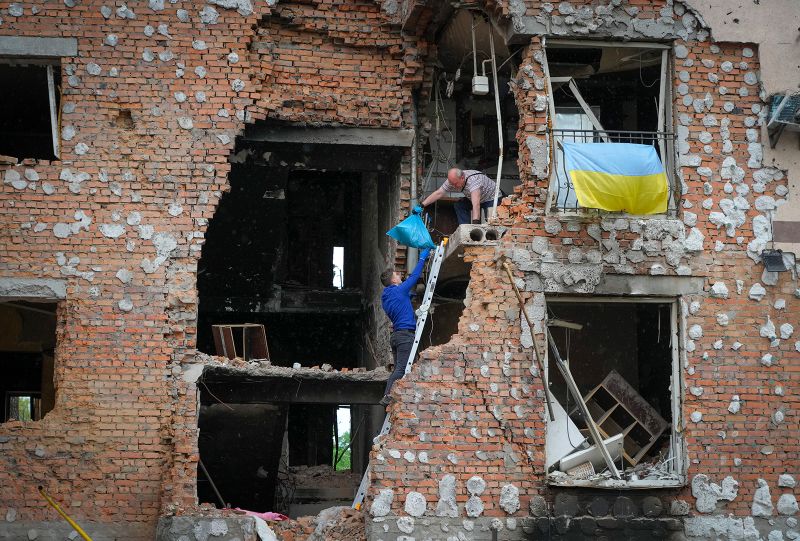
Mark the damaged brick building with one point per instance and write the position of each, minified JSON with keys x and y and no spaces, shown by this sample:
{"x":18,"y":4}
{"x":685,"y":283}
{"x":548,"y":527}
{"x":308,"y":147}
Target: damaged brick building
{"x":174,"y":170}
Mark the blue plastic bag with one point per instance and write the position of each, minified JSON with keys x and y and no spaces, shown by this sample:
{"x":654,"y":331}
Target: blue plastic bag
{"x":412,"y":232}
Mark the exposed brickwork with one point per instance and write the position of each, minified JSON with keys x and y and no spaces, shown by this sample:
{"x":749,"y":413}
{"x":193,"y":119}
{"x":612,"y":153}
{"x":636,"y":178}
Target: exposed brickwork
{"x":121,"y":444}
{"x":473,"y":408}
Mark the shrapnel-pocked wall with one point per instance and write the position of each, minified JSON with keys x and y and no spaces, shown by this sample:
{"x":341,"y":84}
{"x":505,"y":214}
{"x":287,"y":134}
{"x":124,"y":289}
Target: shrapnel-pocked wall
{"x":150,"y":109}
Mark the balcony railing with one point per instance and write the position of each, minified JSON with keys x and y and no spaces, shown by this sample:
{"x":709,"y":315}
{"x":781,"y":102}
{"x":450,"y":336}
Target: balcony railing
{"x":563,"y":193}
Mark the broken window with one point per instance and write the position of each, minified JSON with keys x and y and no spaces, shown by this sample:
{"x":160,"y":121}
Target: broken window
{"x":607,"y":93}
{"x":622,"y":356}
{"x":27,"y":346}
{"x":467,"y":123}
{"x":294,"y":445}
{"x":29,"y":105}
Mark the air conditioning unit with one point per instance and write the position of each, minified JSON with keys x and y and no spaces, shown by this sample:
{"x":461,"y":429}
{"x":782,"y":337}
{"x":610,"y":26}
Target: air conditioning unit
{"x":784,"y":114}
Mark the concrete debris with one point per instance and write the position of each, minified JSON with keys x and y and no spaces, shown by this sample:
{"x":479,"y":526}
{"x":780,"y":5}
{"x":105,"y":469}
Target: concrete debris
{"x":416,"y":504}
{"x":762,"y":500}
{"x":708,"y":494}
{"x":509,"y":499}
{"x":447,"y":506}
{"x":757,"y":292}
{"x":787,"y":481}
{"x":382,"y":504}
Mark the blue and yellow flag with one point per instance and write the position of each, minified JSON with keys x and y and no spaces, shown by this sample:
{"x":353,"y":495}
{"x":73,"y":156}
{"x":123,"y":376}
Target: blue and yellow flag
{"x":617,"y":177}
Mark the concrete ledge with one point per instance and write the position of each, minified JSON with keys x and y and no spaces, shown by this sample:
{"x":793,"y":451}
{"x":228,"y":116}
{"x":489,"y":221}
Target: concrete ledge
{"x":659,"y":286}
{"x":38,"y":47}
{"x":332,"y":136}
{"x":59,"y":530}
{"x":197,"y":528}
{"x":32,"y":289}
{"x":474,"y":235}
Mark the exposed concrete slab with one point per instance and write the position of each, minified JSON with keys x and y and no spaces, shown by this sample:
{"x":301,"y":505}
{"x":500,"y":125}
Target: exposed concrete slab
{"x":473,"y":235}
{"x":247,"y":389}
{"x":32,"y":289}
{"x":658,"y":286}
{"x":59,"y":530}
{"x":466,"y":235}
{"x":332,"y":136}
{"x":38,"y":47}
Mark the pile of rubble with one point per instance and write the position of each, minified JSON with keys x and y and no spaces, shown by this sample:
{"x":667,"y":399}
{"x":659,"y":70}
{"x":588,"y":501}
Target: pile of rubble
{"x":323,"y":476}
{"x":333,"y":524}
{"x":266,"y":368}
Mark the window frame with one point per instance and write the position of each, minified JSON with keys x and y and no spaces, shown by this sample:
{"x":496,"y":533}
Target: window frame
{"x":679,"y":462}
{"x":664,"y":121}
{"x":55,"y":123}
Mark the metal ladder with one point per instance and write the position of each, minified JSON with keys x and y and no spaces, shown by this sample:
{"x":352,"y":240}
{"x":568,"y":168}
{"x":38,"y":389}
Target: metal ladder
{"x":422,"y":317}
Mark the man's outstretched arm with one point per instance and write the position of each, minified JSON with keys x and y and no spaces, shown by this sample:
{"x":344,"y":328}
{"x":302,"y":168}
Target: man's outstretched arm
{"x":412,"y":280}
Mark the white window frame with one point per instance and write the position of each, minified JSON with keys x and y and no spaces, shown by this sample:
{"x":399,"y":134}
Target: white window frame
{"x":663,"y":110}
{"x":679,"y":462}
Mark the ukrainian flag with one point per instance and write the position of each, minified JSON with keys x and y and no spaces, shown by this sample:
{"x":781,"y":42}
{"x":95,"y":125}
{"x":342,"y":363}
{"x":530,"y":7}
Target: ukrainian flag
{"x":617,"y":177}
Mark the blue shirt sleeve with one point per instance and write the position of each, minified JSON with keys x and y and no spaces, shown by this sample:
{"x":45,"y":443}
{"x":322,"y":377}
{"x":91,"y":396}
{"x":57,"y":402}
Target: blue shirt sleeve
{"x":412,"y":280}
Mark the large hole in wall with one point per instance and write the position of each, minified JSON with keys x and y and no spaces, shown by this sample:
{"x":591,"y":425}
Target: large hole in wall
{"x":622,"y":360}
{"x":297,"y":245}
{"x":289,"y":445}
{"x":463,"y":123}
{"x":27,"y":358}
{"x":446,"y":309}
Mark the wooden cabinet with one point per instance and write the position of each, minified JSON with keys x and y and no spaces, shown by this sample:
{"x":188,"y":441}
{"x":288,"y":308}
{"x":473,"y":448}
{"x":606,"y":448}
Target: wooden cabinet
{"x":617,"y":408}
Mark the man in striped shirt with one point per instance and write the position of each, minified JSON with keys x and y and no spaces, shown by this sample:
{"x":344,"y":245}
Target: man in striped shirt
{"x":478,"y":189}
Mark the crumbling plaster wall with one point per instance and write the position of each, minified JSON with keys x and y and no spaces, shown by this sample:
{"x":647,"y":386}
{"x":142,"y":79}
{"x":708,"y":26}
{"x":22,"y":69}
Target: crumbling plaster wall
{"x":121,"y":217}
{"x":464,"y":454}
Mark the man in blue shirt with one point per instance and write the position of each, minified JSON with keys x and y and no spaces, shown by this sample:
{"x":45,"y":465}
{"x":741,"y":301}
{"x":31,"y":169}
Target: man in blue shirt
{"x":396,"y":302}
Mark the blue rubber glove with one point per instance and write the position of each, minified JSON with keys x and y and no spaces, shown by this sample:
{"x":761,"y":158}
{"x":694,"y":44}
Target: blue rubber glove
{"x":417,"y":210}
{"x":424,"y":254}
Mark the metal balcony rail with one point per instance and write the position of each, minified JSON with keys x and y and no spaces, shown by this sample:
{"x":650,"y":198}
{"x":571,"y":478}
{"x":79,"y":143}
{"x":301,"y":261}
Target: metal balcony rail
{"x":564,"y":198}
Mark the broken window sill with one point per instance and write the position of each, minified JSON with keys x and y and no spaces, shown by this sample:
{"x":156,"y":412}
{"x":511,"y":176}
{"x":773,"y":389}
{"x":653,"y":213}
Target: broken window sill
{"x":586,"y":215}
{"x":616,"y":484}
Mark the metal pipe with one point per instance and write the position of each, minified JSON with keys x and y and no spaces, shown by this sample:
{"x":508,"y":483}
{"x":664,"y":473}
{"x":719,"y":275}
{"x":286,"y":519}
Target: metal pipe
{"x":499,"y":126}
{"x":536,"y":352}
{"x":58,"y":509}
{"x":211,"y":482}
{"x":474,"y":50}
{"x":412,"y":254}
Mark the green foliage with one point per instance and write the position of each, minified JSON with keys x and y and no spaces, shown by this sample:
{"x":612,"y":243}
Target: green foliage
{"x":343,"y":453}
{"x":23,"y":408}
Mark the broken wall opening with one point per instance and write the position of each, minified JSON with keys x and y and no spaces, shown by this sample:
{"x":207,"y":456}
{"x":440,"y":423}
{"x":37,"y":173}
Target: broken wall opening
{"x":29,"y":101}
{"x":27,"y":359}
{"x":298,"y":245}
{"x":446,"y":309}
{"x":272,"y":443}
{"x":463,"y":123}
{"x":623,"y":360}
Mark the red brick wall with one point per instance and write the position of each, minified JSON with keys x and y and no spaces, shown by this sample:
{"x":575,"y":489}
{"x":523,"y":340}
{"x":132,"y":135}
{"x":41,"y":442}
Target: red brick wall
{"x":120,"y":444}
{"x":448,"y":394}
